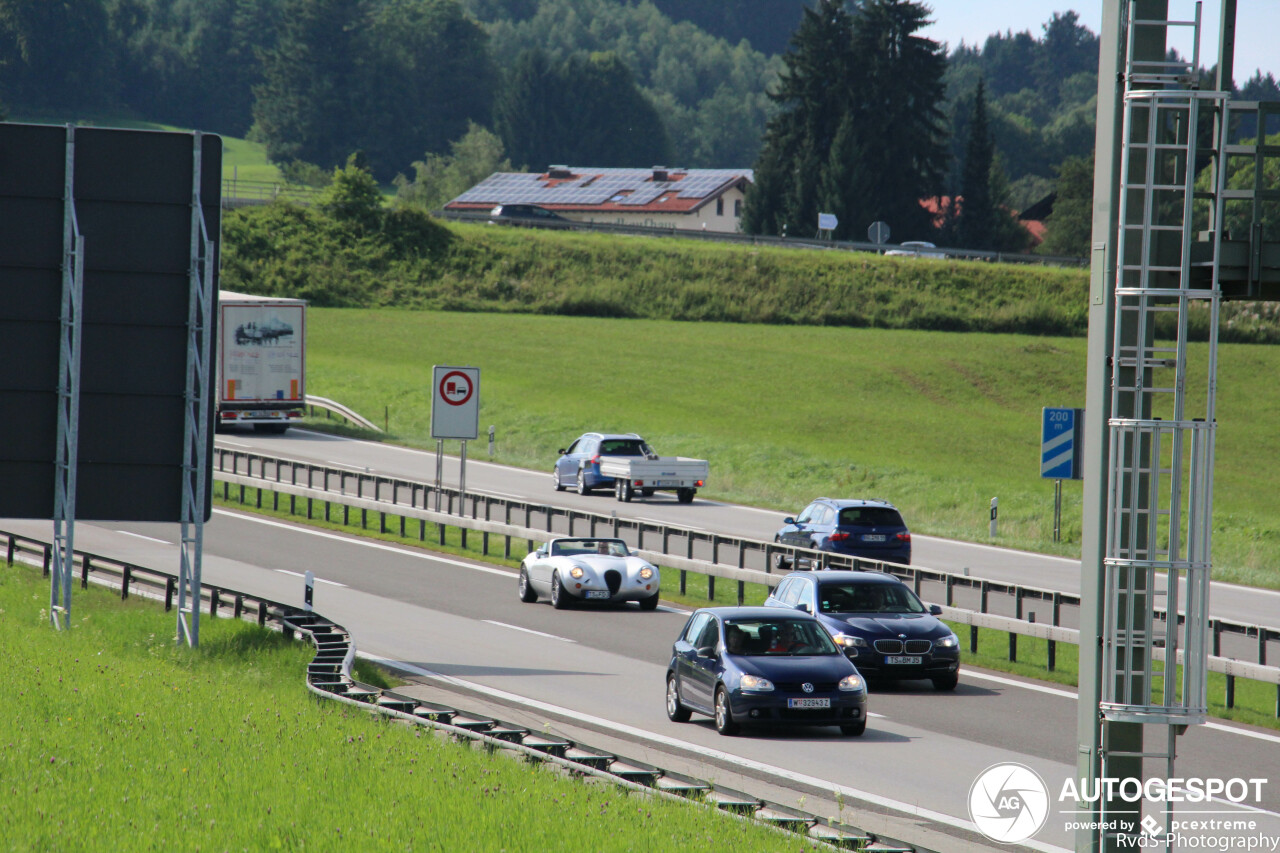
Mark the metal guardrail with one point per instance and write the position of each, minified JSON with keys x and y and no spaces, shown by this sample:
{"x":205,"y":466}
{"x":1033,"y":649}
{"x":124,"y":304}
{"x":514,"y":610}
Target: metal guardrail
{"x":329,"y":676}
{"x":776,"y":242}
{"x":314,"y":402}
{"x":716,"y":555}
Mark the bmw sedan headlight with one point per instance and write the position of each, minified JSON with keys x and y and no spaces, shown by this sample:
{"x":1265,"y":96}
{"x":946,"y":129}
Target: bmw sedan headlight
{"x":853,"y":683}
{"x":576,"y":572}
{"x":646,"y":573}
{"x":948,"y":642}
{"x":848,"y":641}
{"x":756,"y":683}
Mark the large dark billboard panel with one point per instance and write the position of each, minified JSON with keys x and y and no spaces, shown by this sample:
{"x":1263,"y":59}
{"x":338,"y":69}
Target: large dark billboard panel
{"x":132,"y":196}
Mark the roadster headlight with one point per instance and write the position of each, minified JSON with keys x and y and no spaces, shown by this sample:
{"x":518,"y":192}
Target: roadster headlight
{"x":948,"y":642}
{"x":646,"y":573}
{"x":756,"y":683}
{"x":576,"y":572}
{"x":853,"y":683}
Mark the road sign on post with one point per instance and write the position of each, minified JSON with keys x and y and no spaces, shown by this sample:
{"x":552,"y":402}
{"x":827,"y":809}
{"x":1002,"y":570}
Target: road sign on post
{"x":1061,"y":450}
{"x":878,"y":232}
{"x":455,"y":403}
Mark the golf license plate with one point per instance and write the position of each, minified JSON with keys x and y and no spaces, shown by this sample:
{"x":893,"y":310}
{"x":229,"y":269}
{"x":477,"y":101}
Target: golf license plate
{"x":596,"y":593}
{"x":806,"y":702}
{"x":903,"y":660}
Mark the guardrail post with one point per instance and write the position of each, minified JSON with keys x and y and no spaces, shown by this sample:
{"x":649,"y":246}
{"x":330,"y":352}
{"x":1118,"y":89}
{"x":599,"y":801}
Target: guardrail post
{"x":1057,"y":608}
{"x":640,"y":534}
{"x":1231,"y":691}
{"x":715,"y":548}
{"x":1013,"y":647}
{"x":168,"y":594}
{"x":947,"y":595}
{"x":124,"y":581}
{"x":48,"y":559}
{"x":239,"y":611}
{"x":1262,"y":645}
{"x":1217,"y":637}
{"x":9,"y":550}
{"x":484,"y":543}
{"x":262,"y":612}
{"x":741,"y":592}
{"x":1017,"y":603}
{"x":214,"y":593}
{"x":973,"y":639}
{"x":684,"y":578}
{"x":983,"y":589}
{"x":711,"y":587}
{"x":84,"y":571}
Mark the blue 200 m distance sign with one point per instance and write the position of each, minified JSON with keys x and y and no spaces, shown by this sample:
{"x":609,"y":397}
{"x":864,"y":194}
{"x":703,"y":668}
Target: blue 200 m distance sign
{"x":1060,"y":445}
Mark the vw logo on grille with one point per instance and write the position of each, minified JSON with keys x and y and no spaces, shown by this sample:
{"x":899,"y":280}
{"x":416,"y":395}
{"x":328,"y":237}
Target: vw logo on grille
{"x":807,"y":687}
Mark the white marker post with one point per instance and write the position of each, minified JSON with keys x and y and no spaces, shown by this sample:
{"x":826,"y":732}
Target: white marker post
{"x":308,"y":594}
{"x":994,"y":503}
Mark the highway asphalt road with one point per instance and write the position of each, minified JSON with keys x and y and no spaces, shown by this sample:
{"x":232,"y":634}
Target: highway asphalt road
{"x":459,"y":624}
{"x":1227,"y":601}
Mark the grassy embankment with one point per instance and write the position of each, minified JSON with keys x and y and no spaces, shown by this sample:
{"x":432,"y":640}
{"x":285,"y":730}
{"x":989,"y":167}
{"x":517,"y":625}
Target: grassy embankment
{"x":937,"y":423}
{"x":113,"y":735}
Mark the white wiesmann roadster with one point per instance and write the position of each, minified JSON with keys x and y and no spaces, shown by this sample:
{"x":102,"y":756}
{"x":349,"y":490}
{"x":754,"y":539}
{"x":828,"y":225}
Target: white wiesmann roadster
{"x":569,"y":570}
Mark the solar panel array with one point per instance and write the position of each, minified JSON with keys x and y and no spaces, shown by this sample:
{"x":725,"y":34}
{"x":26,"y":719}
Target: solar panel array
{"x":597,"y":186}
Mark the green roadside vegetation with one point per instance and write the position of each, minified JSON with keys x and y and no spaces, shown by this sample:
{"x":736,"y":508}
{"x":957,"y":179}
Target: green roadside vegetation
{"x":937,"y":423}
{"x":113,"y":733}
{"x":1254,"y":702}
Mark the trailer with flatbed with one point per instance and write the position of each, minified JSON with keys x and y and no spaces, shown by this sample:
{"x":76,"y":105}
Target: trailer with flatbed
{"x":648,"y":474}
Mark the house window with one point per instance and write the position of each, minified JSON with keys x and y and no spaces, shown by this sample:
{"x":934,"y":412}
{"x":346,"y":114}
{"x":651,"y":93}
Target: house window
{"x":720,"y":207}
{"x":737,"y":207}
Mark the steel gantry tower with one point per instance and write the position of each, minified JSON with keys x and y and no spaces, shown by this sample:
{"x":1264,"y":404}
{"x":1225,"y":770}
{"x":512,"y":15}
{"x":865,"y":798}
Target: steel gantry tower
{"x":1160,"y":249}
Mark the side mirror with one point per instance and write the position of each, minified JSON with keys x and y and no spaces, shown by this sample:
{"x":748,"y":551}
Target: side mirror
{"x":803,"y":607}
{"x":562,"y":451}
{"x":541,"y":552}
{"x":706,"y":651}
{"x":935,"y":610}
{"x":788,"y":520}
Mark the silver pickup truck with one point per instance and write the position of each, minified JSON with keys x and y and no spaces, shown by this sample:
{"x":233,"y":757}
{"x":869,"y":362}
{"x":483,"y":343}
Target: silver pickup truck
{"x":647,"y":474}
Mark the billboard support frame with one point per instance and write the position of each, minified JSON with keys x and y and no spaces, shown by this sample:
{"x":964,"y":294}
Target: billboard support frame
{"x":68,"y":441}
{"x":201,"y":313}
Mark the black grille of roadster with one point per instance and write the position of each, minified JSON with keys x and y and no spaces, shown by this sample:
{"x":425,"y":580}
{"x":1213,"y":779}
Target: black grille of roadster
{"x":613,"y":579}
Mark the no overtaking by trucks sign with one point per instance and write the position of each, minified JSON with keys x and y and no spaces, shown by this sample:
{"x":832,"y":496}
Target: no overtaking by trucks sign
{"x":455,"y":402}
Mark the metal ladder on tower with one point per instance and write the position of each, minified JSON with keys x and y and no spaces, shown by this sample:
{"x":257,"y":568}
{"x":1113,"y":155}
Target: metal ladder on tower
{"x":1160,"y":475}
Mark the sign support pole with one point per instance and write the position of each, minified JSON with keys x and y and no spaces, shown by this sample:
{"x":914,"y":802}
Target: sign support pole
{"x":462,"y":481}
{"x":439,"y":470}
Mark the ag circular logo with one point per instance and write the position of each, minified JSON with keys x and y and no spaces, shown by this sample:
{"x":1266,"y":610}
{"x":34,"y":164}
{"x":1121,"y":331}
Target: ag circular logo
{"x":1009,"y":802}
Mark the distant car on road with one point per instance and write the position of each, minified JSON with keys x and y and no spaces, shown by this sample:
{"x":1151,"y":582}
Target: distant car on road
{"x":579,"y":463}
{"x":917,"y":248}
{"x":568,"y":570}
{"x":763,"y":666}
{"x":879,"y":622}
{"x":526,"y":214}
{"x":872,"y":529}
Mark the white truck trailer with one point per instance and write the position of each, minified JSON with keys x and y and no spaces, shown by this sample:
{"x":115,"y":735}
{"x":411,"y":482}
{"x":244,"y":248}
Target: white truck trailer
{"x":645,"y":475}
{"x":261,"y":360}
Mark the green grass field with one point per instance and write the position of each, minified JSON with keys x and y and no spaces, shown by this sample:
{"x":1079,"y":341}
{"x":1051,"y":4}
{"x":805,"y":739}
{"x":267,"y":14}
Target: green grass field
{"x":113,"y":738}
{"x":938,"y":423}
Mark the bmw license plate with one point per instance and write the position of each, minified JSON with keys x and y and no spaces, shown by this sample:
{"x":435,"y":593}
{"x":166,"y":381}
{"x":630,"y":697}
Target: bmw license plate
{"x":806,"y":702}
{"x":903,"y":660}
{"x":873,"y":537}
{"x":596,"y":593}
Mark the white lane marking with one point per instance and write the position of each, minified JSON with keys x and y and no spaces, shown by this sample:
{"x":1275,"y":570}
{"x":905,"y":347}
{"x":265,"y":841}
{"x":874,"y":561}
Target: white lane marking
{"x":528,"y":631}
{"x":302,"y":575}
{"x":140,"y":536}
{"x":747,"y":763}
{"x":668,"y":523}
{"x":508,"y":495}
{"x":359,"y":469}
{"x":507,"y":573}
{"x":235,"y":444}
{"x":1068,"y":694}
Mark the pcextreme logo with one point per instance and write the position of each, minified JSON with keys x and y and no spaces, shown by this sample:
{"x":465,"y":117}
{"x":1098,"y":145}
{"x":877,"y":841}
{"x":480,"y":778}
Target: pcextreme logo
{"x":1009,"y":802}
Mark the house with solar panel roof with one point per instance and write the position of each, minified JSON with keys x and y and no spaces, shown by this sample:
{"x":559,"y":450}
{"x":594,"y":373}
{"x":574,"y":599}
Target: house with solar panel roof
{"x":657,"y":197}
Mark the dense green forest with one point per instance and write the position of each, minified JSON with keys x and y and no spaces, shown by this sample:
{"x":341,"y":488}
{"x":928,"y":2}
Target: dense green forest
{"x":415,"y":87}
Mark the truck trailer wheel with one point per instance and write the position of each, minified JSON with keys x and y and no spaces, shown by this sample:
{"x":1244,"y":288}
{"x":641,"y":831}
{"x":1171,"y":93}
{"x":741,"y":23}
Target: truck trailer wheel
{"x":685,"y":496}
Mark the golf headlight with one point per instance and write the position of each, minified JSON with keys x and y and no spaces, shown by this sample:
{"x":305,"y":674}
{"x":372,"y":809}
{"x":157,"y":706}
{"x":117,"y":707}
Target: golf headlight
{"x":948,"y":642}
{"x":576,"y":572}
{"x":853,"y":683}
{"x":848,"y":641}
{"x":755,"y":682}
{"x":646,"y":573}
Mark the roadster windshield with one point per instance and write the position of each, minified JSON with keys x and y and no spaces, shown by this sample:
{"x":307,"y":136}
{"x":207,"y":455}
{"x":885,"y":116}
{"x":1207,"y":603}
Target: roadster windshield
{"x":582,"y":547}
